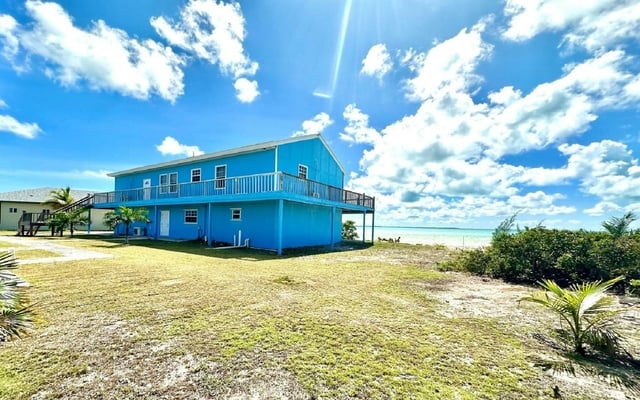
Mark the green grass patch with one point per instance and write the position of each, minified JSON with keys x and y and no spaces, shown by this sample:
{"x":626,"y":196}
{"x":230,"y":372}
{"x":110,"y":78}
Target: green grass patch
{"x":176,"y":319}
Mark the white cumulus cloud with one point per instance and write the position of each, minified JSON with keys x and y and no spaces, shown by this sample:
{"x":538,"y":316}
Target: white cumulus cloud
{"x":445,"y":161}
{"x":170,"y":146}
{"x":377,"y":62}
{"x":358,"y":129}
{"x":213,"y":31}
{"x":102,"y":57}
{"x":24,"y":129}
{"x":315,"y":125}
{"x":246,"y":90}
{"x":594,"y":25}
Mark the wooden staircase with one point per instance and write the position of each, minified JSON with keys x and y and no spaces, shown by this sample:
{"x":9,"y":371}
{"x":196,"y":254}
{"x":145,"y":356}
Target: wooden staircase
{"x":30,"y":223}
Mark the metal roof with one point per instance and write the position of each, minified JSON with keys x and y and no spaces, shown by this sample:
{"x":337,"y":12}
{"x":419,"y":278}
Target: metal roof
{"x":38,"y":195}
{"x":231,"y":152}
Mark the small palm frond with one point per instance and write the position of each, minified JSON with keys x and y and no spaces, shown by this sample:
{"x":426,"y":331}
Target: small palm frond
{"x":8,"y":260}
{"x":15,"y":318}
{"x":587,"y":311}
{"x":604,"y":340}
{"x":13,"y":323}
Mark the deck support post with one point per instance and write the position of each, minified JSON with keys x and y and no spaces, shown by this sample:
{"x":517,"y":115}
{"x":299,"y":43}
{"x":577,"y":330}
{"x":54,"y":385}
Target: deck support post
{"x":332,"y":227}
{"x":209,"y":223}
{"x":89,"y":223}
{"x":156,"y":221}
{"x":373,"y":224}
{"x":280,"y":224}
{"x":364,"y":225}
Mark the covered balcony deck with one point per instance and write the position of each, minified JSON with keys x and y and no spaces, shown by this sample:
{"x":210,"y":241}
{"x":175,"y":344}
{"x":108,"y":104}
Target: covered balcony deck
{"x":239,"y":188}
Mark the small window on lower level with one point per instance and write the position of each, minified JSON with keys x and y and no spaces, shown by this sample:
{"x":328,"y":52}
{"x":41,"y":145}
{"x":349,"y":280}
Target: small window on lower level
{"x":13,"y":210}
{"x":190,"y":216}
{"x":236,"y":214}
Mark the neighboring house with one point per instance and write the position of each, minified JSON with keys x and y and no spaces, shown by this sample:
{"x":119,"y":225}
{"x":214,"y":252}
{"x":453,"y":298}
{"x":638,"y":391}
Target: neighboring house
{"x":281,"y":194}
{"x":14,"y":204}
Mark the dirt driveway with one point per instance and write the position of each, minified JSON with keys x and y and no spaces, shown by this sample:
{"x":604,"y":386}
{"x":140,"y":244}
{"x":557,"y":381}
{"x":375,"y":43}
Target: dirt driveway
{"x":67,"y":253}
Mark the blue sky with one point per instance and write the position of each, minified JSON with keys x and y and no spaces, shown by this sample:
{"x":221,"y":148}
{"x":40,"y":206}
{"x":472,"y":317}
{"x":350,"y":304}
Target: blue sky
{"x":450,"y":113}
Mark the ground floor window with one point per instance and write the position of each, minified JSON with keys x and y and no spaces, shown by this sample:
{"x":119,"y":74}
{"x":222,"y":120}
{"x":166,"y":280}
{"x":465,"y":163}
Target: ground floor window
{"x":236,"y":214}
{"x":190,"y":216}
{"x":13,"y":210}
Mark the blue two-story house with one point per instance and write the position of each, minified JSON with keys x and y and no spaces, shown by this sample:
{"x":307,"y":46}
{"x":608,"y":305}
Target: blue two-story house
{"x":276,"y":195}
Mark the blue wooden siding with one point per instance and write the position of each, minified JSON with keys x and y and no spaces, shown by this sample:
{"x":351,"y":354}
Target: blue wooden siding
{"x":309,"y":225}
{"x":303,"y":224}
{"x":312,"y":153}
{"x":258,"y":223}
{"x":237,"y":165}
{"x":258,"y":182}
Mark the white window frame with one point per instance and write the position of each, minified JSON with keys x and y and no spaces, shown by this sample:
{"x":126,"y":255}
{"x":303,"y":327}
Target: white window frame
{"x":194,"y":214}
{"x":196,"y":175}
{"x":239,"y":214}
{"x":168,"y":186}
{"x":220,"y":181}
{"x":303,"y":171}
{"x":13,"y":210}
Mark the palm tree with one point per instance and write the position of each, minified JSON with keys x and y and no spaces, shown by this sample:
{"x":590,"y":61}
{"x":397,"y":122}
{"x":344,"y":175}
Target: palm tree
{"x":617,"y":227}
{"x":127,"y":216}
{"x":59,"y":198}
{"x":63,"y":219}
{"x":587,"y":311}
{"x":15,"y":318}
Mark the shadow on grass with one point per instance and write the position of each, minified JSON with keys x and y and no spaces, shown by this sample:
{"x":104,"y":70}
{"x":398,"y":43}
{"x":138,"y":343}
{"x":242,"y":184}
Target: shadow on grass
{"x":621,"y":371}
{"x":201,"y":249}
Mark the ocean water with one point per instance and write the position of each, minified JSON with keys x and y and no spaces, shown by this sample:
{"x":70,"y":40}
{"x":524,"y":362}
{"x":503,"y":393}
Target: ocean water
{"x":451,"y":237}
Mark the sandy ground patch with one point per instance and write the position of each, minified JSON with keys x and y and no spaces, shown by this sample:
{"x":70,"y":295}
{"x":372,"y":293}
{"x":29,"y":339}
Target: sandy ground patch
{"x":66,"y":253}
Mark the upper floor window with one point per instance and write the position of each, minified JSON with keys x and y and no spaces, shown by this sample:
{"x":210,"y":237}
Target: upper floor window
{"x":13,"y":210}
{"x":190,"y":216}
{"x":195,"y":175}
{"x":302,"y":171}
{"x":221,"y":176}
{"x":169,"y":183}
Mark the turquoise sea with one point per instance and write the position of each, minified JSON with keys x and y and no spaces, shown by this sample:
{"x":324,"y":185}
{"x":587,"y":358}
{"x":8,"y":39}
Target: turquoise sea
{"x":452,"y":237}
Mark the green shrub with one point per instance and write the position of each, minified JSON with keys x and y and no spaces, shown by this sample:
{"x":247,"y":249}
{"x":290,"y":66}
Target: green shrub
{"x":564,"y":256}
{"x":475,"y":261}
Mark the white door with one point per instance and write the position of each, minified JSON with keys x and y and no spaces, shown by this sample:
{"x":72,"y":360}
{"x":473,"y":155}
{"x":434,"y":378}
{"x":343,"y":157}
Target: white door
{"x":164,"y":222}
{"x":146,"y":185}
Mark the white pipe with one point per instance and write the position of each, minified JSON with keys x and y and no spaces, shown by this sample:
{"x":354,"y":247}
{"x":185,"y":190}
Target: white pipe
{"x":239,"y":237}
{"x":234,"y":241}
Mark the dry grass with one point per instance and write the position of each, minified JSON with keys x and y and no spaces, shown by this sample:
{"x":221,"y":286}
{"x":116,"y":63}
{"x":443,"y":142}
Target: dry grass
{"x":177,"y":321}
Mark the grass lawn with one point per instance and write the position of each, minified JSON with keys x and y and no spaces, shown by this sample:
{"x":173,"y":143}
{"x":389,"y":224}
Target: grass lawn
{"x":175,"y":320}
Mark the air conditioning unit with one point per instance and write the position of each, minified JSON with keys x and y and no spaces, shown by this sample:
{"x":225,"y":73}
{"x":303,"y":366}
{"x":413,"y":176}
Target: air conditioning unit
{"x":138,"y":231}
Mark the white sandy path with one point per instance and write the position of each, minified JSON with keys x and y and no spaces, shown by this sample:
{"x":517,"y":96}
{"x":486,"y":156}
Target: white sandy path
{"x":66,"y":253}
